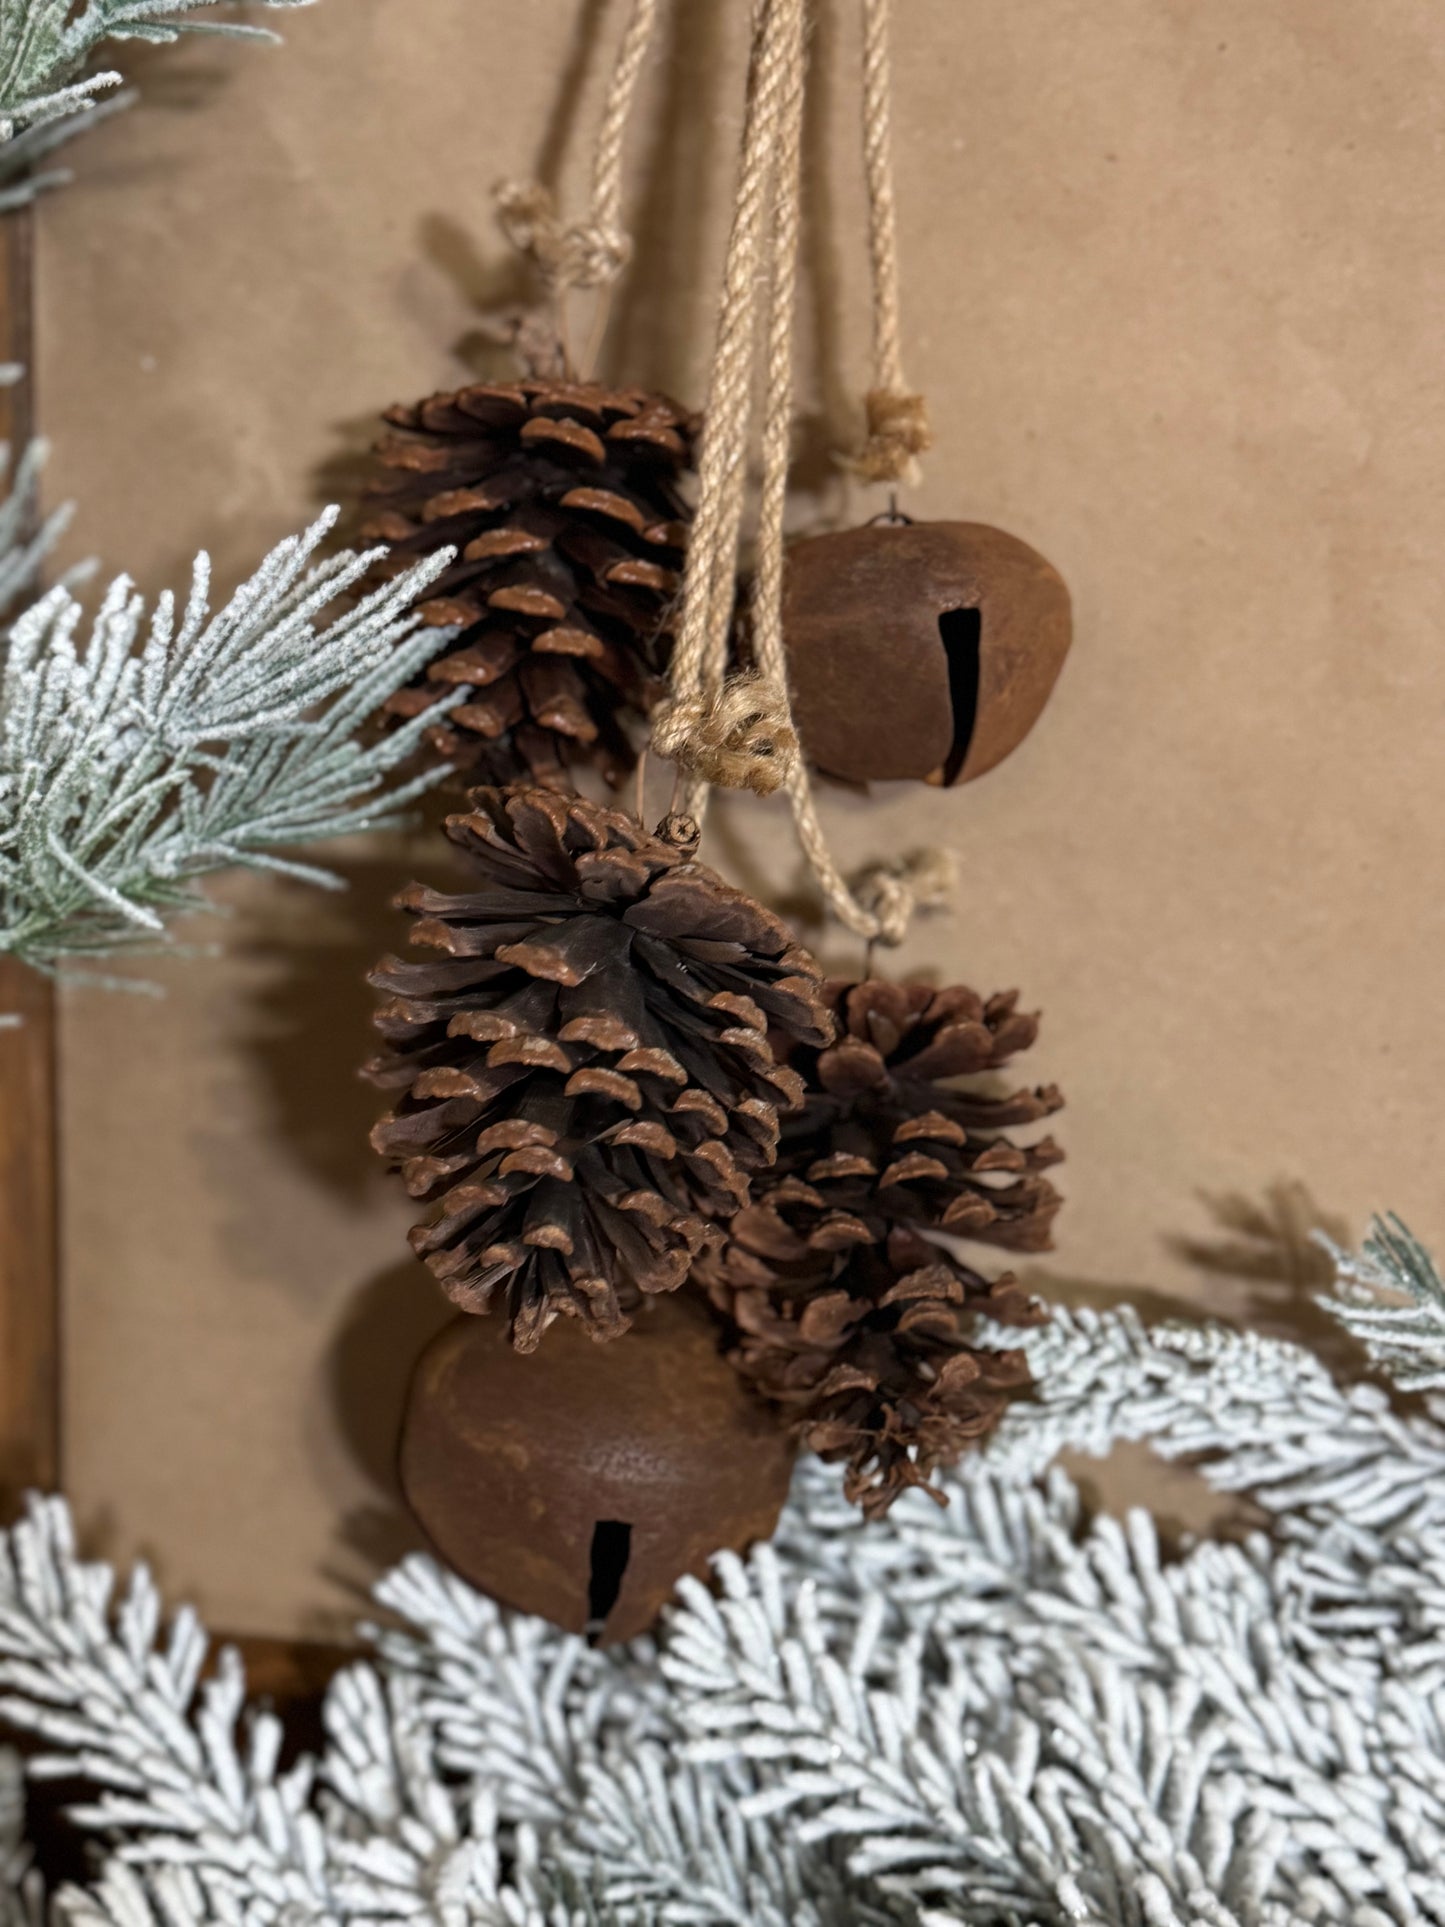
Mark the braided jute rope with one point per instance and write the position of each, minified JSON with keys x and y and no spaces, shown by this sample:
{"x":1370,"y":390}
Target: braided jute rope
{"x":898,"y":431}
{"x":737,"y":734}
{"x":738,"y":731}
{"x":593,"y":252}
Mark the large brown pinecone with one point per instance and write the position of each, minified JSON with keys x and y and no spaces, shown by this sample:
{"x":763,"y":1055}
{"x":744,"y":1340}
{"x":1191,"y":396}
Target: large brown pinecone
{"x":844,"y":1312}
{"x":587,"y":1083}
{"x":562,"y":501}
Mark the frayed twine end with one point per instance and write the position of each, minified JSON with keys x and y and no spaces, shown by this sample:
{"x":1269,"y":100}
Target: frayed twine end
{"x":898,"y":432}
{"x":738,"y":737}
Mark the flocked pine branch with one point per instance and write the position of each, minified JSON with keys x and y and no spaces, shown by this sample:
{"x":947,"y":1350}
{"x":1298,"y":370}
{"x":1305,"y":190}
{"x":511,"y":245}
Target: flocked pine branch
{"x":26,"y":537}
{"x":1390,"y":1296}
{"x":24,"y":172}
{"x":141,"y":755}
{"x":49,"y":89}
{"x":580,"y":1749}
{"x":1010,"y":1718}
{"x":1269,"y":1417}
{"x":190,"y":1784}
{"x":998,"y":1715}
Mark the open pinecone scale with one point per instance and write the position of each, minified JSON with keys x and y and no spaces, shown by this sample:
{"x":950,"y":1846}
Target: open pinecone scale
{"x":563,"y":502}
{"x":586,"y":1080}
{"x":889,"y":1136}
{"x":846,"y":1311}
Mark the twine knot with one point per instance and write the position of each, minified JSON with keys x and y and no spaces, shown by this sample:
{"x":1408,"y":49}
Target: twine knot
{"x":892,"y":893}
{"x":598,"y":253}
{"x":588,"y":254}
{"x":738,"y":736}
{"x":898,"y":433}
{"x":737,"y":731}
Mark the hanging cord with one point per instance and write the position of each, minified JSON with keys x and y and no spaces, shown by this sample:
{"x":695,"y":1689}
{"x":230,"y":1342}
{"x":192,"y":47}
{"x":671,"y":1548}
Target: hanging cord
{"x":898,"y":431}
{"x":591,"y":253}
{"x":738,"y":731}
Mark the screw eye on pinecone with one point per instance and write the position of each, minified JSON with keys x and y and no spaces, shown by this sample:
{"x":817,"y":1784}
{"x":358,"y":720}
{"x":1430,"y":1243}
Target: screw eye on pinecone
{"x":846,"y":1312}
{"x":586,"y":1080}
{"x":562,"y":500}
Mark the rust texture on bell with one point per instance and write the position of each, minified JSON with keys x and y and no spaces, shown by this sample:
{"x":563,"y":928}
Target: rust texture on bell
{"x":581,"y":1483}
{"x":922,"y":650}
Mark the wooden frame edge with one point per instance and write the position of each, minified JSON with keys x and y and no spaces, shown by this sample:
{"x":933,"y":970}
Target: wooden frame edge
{"x":286,"y":1672}
{"x":30,"y":1437}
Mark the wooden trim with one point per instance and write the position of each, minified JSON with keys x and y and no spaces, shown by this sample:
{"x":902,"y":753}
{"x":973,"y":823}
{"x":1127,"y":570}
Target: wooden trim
{"x":17,"y":323}
{"x":290,"y":1674}
{"x":29,"y":1245}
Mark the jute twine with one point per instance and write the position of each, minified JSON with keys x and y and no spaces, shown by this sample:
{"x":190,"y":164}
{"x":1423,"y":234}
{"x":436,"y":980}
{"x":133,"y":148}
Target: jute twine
{"x":593,"y":252}
{"x":898,"y":431}
{"x":737,"y":731}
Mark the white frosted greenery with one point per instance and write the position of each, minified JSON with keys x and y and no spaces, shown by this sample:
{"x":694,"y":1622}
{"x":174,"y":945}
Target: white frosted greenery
{"x":1391,"y":1297}
{"x":26,"y":537}
{"x":49,"y":85}
{"x":1002,"y":1713}
{"x":141,"y":750}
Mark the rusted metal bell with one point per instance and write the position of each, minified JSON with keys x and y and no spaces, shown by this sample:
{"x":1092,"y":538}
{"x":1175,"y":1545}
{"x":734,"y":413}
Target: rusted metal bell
{"x":581,"y":1481}
{"x":920,"y":649}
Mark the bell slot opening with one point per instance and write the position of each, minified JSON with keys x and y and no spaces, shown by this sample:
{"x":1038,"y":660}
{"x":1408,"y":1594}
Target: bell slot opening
{"x":961,"y":631}
{"x":611,"y":1550}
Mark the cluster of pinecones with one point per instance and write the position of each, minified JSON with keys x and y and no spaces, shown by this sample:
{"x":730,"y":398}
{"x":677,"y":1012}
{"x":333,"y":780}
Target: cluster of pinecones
{"x":613,"y":1073}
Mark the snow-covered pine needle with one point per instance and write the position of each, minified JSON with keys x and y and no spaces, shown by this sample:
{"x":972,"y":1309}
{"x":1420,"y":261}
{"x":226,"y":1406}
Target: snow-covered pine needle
{"x":26,"y":538}
{"x":1391,"y":1297}
{"x":999,"y":1715}
{"x":46,"y":92}
{"x":144,"y":754}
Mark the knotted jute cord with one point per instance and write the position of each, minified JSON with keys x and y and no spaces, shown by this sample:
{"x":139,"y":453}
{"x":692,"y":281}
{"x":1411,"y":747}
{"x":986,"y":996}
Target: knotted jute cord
{"x":593,"y":252}
{"x":738,"y":731}
{"x":898,"y":431}
{"x":740,"y":735}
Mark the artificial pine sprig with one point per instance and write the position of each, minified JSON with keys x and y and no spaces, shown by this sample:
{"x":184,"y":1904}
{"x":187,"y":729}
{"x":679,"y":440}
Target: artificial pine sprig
{"x":1391,"y":1297}
{"x":139,"y":758}
{"x":1002,"y":1714}
{"x":45,"y":46}
{"x":26,"y":537}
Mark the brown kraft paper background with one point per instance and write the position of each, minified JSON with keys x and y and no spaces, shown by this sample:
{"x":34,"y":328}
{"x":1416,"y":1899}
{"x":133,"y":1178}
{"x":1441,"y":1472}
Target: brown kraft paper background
{"x":1174,"y":274}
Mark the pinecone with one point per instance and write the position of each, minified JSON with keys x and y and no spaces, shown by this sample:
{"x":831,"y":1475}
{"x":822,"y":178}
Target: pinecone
{"x":844,"y":1312}
{"x":586,"y":1076}
{"x":562,"y":501}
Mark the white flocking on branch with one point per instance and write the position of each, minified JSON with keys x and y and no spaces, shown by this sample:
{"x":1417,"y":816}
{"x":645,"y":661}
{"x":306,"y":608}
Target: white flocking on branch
{"x":147,"y":753}
{"x":48,"y":90}
{"x":1002,"y":1714}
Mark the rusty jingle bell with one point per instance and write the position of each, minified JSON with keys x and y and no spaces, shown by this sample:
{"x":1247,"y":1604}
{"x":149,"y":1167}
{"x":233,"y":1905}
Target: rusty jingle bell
{"x":581,"y":1481}
{"x":920,"y":649}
